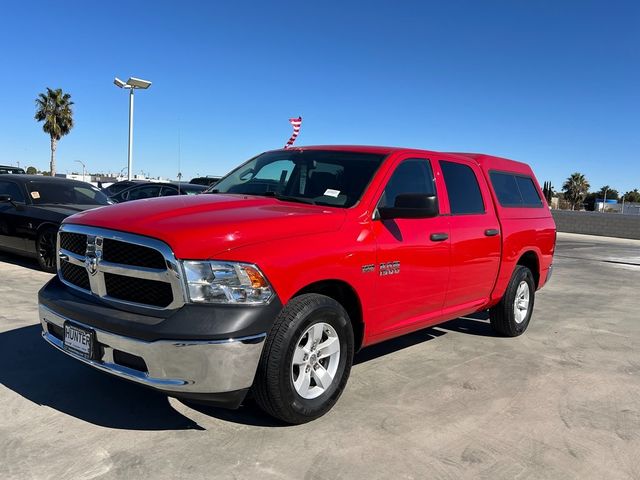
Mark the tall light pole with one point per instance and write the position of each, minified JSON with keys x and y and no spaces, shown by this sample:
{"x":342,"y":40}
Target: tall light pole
{"x":131,"y":84}
{"x":604,"y":201}
{"x":83,"y":168}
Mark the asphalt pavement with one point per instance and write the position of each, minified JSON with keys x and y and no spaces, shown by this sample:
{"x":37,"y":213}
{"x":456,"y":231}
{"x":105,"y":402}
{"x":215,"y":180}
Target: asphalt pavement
{"x":562,"y":401}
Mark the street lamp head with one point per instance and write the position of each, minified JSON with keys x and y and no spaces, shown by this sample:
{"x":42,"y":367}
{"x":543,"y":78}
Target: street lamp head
{"x":118,"y":82}
{"x":138,"y":83}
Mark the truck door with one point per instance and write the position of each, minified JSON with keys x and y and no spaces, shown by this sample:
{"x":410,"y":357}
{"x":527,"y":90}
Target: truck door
{"x":412,"y":253}
{"x":475,"y":236}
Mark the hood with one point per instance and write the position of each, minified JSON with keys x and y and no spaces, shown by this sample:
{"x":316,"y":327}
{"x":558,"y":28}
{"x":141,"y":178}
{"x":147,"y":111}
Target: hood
{"x":200,"y":226}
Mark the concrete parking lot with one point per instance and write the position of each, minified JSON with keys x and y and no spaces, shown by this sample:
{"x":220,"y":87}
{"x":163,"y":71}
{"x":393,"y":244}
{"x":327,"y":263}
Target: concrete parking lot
{"x":454,"y":401}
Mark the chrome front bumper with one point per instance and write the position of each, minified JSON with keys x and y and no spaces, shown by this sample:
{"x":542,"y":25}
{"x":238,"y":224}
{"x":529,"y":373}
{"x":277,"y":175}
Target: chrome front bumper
{"x":172,"y":366}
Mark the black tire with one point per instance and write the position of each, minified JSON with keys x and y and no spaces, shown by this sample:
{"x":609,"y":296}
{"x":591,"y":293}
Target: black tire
{"x":503,"y":316}
{"x":46,"y":249}
{"x":273,"y":387}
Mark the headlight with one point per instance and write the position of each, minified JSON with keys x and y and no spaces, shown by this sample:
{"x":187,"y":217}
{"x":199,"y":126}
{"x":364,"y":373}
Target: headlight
{"x":226,"y":282}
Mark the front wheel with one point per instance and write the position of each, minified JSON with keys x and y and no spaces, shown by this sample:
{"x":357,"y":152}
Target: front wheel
{"x":512,"y":315}
{"x":46,"y":249}
{"x":306,"y":360}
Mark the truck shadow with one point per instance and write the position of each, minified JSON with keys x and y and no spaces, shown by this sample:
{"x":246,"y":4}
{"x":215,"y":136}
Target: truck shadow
{"x":476,"y":324}
{"x":396,"y":344}
{"x":26,"y":262}
{"x":47,"y":377}
{"x":250,"y":414}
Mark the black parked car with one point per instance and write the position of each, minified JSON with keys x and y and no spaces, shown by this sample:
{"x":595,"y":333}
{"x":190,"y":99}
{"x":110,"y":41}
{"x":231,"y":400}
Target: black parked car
{"x":117,"y":187}
{"x":13,"y":170}
{"x":32,"y":208}
{"x":156,"y":189}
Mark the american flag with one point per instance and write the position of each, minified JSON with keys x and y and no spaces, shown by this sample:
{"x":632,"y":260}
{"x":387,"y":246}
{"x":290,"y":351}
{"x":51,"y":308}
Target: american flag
{"x":295,"y":123}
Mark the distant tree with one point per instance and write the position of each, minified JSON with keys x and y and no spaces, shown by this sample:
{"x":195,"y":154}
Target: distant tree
{"x":575,"y":188}
{"x":54,"y":109}
{"x":32,"y":170}
{"x":610,"y":193}
{"x":632,"y":196}
{"x":548,"y":192}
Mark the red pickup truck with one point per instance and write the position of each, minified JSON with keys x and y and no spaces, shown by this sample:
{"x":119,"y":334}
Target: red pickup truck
{"x":296,"y":259}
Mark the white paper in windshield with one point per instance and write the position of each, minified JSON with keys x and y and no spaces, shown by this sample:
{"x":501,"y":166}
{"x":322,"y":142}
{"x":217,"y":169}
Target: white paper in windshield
{"x":35,"y":195}
{"x":329,"y":192}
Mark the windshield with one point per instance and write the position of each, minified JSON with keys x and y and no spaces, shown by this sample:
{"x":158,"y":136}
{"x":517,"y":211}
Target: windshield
{"x":66,"y":193}
{"x":319,"y":177}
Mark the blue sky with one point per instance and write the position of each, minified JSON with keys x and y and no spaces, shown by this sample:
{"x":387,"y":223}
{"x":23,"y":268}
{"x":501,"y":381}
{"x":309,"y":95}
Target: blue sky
{"x":553,"y":83}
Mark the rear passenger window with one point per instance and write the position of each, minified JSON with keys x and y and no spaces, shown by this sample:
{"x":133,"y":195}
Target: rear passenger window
{"x":515,"y":190}
{"x":463,"y":188}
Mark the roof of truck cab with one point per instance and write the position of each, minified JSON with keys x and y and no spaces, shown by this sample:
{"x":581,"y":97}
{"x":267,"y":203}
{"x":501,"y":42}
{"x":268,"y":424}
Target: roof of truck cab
{"x":486,"y":162}
{"x":350,"y":148}
{"x":491,"y":162}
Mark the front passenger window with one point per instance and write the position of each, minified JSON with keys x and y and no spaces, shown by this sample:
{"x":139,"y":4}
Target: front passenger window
{"x":411,"y":176}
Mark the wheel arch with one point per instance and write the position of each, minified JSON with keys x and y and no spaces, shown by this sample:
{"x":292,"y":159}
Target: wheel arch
{"x":343,"y":293}
{"x":47,"y":224}
{"x":530,"y":260}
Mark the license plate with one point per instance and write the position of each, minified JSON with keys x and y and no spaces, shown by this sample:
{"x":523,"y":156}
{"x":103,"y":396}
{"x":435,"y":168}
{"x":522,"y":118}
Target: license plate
{"x":78,"y":340}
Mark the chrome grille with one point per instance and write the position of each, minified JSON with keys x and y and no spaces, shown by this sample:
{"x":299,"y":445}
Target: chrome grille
{"x":120,"y":268}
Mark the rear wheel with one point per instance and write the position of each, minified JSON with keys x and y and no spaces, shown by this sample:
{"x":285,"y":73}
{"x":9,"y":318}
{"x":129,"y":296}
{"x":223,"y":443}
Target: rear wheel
{"x":306,"y":360}
{"x":46,"y":249}
{"x":512,"y":315}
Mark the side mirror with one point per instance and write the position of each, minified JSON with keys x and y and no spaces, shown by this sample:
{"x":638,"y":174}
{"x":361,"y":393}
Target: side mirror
{"x":411,"y":205}
{"x":8,"y":199}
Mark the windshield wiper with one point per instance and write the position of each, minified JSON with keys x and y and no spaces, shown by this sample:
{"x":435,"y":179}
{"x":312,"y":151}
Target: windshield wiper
{"x":287,"y":198}
{"x":279,"y":196}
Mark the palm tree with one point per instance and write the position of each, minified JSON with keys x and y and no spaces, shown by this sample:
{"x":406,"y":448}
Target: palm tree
{"x":575,"y":189}
{"x":54,"y":109}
